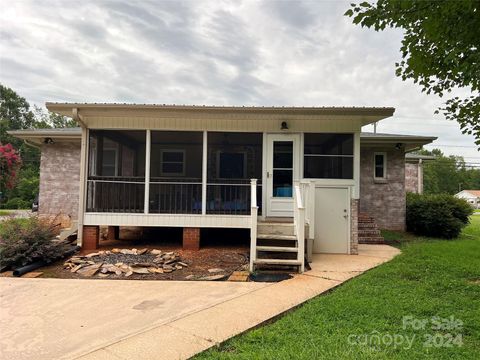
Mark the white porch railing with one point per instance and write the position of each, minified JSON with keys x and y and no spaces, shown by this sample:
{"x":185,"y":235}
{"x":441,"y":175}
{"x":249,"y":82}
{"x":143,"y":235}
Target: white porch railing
{"x":253,"y":224}
{"x":299,"y":223}
{"x":308,"y":191}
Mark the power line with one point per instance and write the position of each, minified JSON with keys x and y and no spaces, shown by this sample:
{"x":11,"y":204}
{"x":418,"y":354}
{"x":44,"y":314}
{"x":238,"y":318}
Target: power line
{"x":448,"y":145}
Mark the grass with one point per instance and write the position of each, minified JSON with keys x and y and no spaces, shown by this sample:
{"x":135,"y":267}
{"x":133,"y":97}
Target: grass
{"x":5,"y":212}
{"x":431,"y":277}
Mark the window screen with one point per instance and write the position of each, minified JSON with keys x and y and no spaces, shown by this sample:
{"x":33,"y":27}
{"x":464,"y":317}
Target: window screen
{"x":328,"y":156}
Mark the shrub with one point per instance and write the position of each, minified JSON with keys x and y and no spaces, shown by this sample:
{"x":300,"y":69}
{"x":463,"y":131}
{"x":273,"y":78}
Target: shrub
{"x":17,"y":203}
{"x":441,"y":216}
{"x":24,"y":241}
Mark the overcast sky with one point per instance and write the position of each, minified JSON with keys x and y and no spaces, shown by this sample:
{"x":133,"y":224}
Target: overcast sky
{"x":291,"y":53}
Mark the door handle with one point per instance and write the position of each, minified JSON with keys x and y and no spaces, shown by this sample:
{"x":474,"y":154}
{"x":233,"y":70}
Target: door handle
{"x":345,"y":216}
{"x":268,"y":174}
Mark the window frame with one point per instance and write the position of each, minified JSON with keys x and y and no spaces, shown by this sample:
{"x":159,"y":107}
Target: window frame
{"x":162,"y":162}
{"x":384,"y":154}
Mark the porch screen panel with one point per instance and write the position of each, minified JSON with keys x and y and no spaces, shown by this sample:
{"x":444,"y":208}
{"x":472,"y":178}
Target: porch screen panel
{"x":116,"y":171}
{"x":176,"y":172}
{"x":328,"y":156}
{"x":233,"y":160}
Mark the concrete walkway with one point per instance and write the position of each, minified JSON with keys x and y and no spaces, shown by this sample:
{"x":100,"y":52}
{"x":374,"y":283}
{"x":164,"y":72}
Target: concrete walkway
{"x":122,"y":319}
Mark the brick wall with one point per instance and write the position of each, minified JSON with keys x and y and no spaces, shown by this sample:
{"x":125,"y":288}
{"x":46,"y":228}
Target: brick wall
{"x":59,"y":181}
{"x":411,"y":177}
{"x":383,"y":200}
{"x":354,"y":226}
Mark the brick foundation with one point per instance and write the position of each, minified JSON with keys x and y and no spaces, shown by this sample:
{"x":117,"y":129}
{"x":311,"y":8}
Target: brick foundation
{"x":191,"y":238}
{"x":91,"y":237}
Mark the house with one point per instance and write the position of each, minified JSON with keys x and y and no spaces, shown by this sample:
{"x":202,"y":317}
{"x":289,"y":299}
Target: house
{"x":471,"y":196}
{"x":298,"y":178}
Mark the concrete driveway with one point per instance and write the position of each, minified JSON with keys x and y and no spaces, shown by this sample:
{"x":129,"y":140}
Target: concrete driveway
{"x":124,"y":319}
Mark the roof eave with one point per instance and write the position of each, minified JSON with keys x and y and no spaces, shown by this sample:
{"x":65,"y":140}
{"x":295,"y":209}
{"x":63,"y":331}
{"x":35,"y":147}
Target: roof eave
{"x":368,"y":114}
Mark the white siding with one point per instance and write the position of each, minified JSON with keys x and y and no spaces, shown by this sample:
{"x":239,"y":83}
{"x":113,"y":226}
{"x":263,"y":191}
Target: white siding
{"x":173,"y":220}
{"x":252,"y":123}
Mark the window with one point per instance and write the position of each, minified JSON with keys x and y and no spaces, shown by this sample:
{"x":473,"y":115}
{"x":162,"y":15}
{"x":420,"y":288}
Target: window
{"x":380,"y":165}
{"x":109,"y":165}
{"x":173,"y":162}
{"x":328,"y":156}
{"x":231,"y":165}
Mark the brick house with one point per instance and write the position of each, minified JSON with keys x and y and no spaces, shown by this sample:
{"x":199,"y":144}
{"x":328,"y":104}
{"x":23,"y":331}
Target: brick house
{"x":300,"y":179}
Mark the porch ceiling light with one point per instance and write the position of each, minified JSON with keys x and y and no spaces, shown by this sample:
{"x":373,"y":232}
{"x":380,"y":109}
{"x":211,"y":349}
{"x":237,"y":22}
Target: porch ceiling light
{"x":398,"y":146}
{"x":284,"y":126}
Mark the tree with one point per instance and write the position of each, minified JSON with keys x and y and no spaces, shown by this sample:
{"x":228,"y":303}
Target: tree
{"x":446,"y":174}
{"x":49,"y":119}
{"x":10,"y":162}
{"x":15,"y":114}
{"x":440,"y":49}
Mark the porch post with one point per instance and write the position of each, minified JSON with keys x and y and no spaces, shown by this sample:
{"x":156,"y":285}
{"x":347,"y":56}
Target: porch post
{"x":204,"y":173}
{"x":147,"y":172}
{"x":356,"y":165}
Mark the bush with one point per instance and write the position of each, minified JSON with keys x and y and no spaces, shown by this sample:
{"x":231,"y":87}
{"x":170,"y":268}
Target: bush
{"x":17,"y":203}
{"x":24,"y":241}
{"x":441,"y":216}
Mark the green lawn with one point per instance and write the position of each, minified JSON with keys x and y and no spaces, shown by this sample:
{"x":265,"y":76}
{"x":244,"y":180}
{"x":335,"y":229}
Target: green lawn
{"x":5,"y":212}
{"x":430,"y":278}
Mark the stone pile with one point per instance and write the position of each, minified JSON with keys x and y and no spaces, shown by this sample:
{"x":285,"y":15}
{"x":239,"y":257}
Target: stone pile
{"x":125,"y":262}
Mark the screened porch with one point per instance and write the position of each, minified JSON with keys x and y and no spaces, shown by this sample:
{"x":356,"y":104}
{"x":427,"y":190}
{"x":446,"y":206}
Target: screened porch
{"x":172,"y":172}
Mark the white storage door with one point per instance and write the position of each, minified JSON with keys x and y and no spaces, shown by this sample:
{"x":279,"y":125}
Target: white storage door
{"x":332,"y":220}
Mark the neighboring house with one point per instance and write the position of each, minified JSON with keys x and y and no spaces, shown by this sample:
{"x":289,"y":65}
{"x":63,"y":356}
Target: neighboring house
{"x":271,"y":170}
{"x":471,"y":196}
{"x":414,"y":172}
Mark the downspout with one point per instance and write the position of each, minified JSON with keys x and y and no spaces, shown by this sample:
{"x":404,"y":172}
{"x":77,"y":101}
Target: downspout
{"x":83,"y":161}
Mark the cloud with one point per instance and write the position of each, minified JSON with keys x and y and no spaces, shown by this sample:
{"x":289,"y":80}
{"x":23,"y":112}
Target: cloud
{"x":298,"y":53}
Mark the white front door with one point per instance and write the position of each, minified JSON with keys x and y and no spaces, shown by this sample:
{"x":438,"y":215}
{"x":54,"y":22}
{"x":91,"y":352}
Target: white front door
{"x":283,"y":167}
{"x":332,"y":220}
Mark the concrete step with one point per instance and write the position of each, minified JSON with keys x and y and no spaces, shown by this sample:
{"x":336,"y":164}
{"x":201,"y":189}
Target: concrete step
{"x":277,"y":262}
{"x":276,"y":237}
{"x":277,"y":249}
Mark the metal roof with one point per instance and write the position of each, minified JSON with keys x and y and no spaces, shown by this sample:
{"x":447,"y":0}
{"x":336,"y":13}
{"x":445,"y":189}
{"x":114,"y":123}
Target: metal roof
{"x":210,"y":107}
